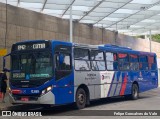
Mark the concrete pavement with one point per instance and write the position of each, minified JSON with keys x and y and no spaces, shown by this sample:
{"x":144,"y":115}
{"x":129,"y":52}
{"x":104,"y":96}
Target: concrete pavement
{"x":6,"y":104}
{"x":149,"y":100}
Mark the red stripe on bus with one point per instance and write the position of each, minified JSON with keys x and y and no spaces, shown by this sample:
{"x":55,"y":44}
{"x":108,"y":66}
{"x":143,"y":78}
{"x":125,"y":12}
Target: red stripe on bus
{"x":124,"y":85}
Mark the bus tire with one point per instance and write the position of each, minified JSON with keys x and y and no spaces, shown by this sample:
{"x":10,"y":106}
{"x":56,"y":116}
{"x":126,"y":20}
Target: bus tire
{"x":81,"y":98}
{"x":134,"y":92}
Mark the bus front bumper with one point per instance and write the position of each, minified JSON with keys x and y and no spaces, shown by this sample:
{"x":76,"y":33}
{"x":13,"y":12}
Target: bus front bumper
{"x":47,"y":98}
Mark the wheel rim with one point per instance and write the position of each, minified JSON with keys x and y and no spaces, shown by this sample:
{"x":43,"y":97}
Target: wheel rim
{"x":81,"y":98}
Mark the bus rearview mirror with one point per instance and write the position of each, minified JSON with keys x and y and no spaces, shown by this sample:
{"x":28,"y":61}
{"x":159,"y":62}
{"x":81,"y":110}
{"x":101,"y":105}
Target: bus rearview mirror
{"x":4,"y":63}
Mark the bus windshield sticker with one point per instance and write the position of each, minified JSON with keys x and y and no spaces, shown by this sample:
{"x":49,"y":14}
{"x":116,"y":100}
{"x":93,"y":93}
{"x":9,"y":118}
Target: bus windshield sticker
{"x":18,"y":75}
{"x":39,"y":75}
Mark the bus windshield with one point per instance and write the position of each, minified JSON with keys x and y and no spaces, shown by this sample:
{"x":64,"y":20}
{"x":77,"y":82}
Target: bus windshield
{"x":36,"y":65}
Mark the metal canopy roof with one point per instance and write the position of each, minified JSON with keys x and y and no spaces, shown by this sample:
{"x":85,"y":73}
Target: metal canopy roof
{"x":132,"y":17}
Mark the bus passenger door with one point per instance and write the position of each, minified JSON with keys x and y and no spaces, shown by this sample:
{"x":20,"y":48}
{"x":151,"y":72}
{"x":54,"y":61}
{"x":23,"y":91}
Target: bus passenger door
{"x":64,"y":82}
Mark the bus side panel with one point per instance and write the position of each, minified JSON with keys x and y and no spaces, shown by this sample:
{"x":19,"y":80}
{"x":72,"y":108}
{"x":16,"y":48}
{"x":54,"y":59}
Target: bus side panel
{"x":91,"y":79}
{"x":106,"y":78}
{"x":64,"y":90}
{"x":120,"y":85}
{"x":152,"y":80}
{"x":147,"y":80}
{"x":131,"y":77}
{"x":115,"y":82}
{"x":63,"y":96}
{"x":112,"y":86}
{"x":141,"y":78}
{"x":124,"y":84}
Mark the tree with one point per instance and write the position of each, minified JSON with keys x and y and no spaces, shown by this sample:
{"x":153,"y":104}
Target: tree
{"x":156,"y":38}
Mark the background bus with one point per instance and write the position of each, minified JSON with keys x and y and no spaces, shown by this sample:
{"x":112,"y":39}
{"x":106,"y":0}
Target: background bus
{"x":56,"y":72}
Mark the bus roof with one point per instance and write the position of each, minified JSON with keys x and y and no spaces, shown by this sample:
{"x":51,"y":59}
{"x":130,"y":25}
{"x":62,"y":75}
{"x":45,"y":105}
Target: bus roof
{"x":106,"y":47}
{"x":125,"y":50}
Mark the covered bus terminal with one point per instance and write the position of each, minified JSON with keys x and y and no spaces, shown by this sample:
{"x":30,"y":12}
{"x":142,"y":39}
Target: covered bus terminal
{"x":128,"y":23}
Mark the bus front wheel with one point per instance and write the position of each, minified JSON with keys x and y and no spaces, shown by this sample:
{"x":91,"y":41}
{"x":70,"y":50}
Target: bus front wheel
{"x":80,"y":98}
{"x":134,"y":92}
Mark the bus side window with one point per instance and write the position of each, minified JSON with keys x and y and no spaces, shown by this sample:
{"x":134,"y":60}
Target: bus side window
{"x":111,"y":59}
{"x":123,"y":61}
{"x":143,"y":62}
{"x":62,"y":65}
{"x":63,"y":62}
{"x":134,"y":65}
{"x":97,"y":60}
{"x":152,"y":63}
{"x":81,"y":59}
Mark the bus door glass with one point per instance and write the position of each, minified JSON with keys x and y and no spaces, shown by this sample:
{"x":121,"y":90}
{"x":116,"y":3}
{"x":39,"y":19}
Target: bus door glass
{"x":63,"y":61}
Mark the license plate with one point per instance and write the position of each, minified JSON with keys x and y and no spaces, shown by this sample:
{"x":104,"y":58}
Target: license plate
{"x":24,"y":99}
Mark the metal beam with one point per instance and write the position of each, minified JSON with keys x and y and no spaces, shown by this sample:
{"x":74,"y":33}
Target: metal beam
{"x":143,"y":19}
{"x":44,"y":5}
{"x":92,"y":9}
{"x":146,"y":29}
{"x":113,"y":11}
{"x":68,"y":8}
{"x":136,"y":13}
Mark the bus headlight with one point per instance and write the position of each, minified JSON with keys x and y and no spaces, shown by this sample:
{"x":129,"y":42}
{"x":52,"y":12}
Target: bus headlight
{"x":49,"y":88}
{"x":46,"y":90}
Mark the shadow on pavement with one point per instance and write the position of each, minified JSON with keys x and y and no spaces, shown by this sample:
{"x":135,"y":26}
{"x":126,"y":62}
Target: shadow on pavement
{"x":64,"y":110}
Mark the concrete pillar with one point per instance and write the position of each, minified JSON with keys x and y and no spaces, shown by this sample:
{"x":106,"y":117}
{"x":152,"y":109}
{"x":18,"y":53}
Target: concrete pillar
{"x":158,"y":65}
{"x":150,"y":40}
{"x":158,"y":77}
{"x":71,"y":27}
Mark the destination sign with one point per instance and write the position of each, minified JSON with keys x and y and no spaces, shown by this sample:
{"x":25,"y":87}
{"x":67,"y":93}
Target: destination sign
{"x":34,"y":46}
{"x":30,"y":46}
